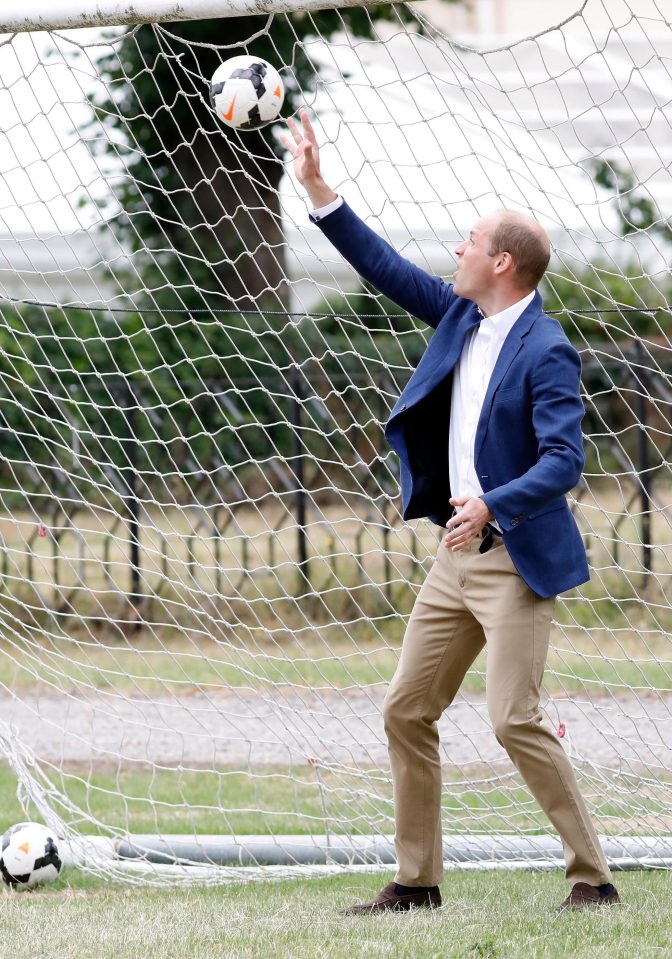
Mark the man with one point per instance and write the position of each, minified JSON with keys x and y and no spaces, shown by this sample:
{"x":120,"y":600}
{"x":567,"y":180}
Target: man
{"x":488,"y":434}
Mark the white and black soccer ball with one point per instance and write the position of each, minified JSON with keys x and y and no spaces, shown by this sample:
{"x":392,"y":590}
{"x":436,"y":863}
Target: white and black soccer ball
{"x":246,"y":92}
{"x":29,"y":856}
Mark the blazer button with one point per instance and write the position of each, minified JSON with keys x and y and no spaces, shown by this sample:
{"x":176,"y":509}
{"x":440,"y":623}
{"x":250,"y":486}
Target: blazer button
{"x":402,"y":407}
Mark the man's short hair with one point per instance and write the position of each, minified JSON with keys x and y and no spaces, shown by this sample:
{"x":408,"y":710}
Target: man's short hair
{"x":526,"y":242}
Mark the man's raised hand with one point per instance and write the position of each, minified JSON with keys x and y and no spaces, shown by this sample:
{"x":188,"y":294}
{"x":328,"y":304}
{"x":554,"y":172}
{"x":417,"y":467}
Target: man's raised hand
{"x":306,"y":155}
{"x":304,"y":149}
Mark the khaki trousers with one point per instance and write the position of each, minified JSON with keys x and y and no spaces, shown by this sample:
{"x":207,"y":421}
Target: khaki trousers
{"x":469,"y":600}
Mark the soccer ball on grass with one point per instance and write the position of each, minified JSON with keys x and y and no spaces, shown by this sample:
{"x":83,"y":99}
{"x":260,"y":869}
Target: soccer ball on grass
{"x":246,"y":92}
{"x":29,"y":856}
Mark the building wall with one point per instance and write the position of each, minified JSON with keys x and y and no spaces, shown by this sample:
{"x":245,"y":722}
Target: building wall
{"x":515,"y":19}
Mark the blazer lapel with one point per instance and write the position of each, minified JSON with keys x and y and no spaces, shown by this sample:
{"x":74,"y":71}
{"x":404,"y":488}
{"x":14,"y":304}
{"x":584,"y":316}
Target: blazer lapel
{"x":438,"y":360}
{"x":510,"y":349}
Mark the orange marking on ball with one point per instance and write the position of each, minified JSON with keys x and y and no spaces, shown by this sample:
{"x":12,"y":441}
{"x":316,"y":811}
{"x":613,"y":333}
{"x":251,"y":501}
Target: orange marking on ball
{"x":229,"y":114}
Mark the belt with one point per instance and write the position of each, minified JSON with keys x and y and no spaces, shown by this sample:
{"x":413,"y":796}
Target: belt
{"x":489,"y":532}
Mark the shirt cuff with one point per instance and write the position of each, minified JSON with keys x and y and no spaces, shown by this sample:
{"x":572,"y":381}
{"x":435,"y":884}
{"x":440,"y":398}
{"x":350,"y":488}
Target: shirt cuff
{"x":323,"y":211}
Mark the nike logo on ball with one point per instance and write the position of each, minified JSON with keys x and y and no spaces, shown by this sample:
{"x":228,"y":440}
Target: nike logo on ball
{"x":229,"y":113}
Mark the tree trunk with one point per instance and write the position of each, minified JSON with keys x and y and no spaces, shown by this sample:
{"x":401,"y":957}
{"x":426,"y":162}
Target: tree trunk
{"x":235,"y":218}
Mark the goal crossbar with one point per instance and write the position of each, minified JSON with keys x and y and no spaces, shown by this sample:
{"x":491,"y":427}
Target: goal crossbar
{"x":68,"y":14}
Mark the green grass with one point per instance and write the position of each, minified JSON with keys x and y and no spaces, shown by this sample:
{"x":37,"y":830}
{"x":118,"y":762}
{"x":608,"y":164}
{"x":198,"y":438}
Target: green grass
{"x":147,"y":666}
{"x":275,"y":801}
{"x":583,"y":661}
{"x":499,"y":915}
{"x":145,"y":800}
{"x":272,"y":801}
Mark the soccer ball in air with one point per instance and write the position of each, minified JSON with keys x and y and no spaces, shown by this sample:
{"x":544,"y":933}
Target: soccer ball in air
{"x":29,"y":856}
{"x":246,"y":92}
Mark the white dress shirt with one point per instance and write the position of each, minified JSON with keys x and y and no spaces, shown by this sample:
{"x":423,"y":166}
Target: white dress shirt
{"x":471,"y":379}
{"x":321,"y":211}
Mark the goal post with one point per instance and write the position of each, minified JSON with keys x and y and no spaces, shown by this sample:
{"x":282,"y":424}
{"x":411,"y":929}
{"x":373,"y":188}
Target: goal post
{"x":204,"y":571}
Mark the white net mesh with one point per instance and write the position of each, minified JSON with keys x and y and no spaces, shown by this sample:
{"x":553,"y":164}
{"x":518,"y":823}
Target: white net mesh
{"x":205,"y":575}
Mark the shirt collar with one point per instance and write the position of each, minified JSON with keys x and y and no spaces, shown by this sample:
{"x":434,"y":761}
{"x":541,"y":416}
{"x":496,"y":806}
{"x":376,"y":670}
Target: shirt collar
{"x":501,"y":323}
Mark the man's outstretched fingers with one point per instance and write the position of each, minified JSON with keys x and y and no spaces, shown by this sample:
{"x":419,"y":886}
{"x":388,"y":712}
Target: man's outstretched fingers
{"x":291,"y":123}
{"x":307,"y":125}
{"x":287,"y":143}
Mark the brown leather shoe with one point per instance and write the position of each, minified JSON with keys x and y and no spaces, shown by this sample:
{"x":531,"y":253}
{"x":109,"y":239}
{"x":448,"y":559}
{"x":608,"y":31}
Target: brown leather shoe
{"x":389,"y":901}
{"x":584,"y":896}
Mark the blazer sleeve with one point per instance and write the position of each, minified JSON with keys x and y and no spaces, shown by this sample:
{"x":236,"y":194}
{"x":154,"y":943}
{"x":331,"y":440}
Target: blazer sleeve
{"x":421,"y":294}
{"x":557,"y":412}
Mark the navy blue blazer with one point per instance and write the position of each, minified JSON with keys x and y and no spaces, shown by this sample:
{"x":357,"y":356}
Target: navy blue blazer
{"x":529,"y":445}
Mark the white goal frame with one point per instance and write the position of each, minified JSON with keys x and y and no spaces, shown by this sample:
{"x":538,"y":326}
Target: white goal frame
{"x":16,"y":17}
{"x":474,"y":851}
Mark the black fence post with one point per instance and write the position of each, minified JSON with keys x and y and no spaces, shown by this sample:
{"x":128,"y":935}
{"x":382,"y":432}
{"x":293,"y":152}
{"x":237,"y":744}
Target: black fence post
{"x":300,"y":499}
{"x":387,"y":564}
{"x":130,"y":475}
{"x":643,"y":463}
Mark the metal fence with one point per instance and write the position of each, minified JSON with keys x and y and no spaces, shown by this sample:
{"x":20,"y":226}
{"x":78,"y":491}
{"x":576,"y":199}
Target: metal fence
{"x":120,"y":453}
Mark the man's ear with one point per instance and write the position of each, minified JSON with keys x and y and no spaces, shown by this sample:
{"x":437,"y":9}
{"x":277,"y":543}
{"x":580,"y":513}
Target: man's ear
{"x":504,"y":262}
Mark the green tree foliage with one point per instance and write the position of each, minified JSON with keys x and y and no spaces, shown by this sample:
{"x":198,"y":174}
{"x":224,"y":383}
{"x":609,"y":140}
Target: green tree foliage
{"x":618,"y":315}
{"x":605,"y":302}
{"x":117,"y":380}
{"x":372,"y":332}
{"x":609,"y":301}
{"x":636,"y":209}
{"x":598,"y":308}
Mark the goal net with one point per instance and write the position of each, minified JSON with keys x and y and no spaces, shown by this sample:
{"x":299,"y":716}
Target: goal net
{"x":205,"y":576}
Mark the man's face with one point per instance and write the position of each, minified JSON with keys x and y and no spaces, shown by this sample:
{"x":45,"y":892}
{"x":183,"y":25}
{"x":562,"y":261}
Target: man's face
{"x":475,"y":272}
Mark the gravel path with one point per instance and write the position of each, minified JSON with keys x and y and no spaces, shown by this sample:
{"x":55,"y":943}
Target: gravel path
{"x":275,"y":727}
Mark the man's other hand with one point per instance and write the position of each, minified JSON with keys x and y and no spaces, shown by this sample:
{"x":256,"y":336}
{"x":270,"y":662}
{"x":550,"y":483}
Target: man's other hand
{"x":469,"y":522}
